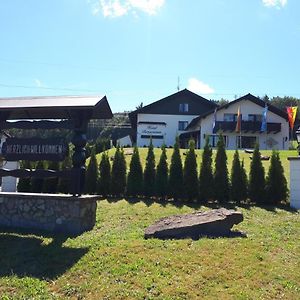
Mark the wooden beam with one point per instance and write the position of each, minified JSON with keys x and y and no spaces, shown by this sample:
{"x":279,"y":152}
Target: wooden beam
{"x":44,"y":124}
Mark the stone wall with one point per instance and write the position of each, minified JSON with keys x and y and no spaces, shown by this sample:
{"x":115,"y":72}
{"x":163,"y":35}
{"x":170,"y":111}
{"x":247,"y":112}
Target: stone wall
{"x":54,"y":213}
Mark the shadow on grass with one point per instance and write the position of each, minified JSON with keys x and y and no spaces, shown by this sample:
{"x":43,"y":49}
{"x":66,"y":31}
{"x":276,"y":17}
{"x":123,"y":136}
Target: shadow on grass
{"x":195,"y":205}
{"x":25,"y":255}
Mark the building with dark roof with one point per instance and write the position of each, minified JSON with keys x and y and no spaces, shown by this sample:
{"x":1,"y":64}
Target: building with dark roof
{"x":166,"y":118}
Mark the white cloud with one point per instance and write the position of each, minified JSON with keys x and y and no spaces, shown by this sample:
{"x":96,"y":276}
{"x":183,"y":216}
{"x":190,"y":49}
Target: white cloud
{"x":118,"y":8}
{"x":274,"y":3}
{"x":199,"y":87}
{"x":38,"y":83}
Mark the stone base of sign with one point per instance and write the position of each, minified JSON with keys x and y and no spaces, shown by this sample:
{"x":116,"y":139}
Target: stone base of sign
{"x":294,"y":182}
{"x":50,"y":212}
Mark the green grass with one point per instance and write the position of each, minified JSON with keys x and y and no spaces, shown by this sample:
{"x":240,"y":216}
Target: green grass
{"x":284,"y":154}
{"x":114,"y":261}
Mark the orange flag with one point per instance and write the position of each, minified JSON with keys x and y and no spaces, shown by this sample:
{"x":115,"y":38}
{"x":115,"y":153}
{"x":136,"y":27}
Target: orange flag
{"x":238,"y":121}
{"x":292,"y":111}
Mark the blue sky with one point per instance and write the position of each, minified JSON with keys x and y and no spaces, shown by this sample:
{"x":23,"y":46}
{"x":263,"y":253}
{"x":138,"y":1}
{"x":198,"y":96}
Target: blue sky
{"x":134,"y":50}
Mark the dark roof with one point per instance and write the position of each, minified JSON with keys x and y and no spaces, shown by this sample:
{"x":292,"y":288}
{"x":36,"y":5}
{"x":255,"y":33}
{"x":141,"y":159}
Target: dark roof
{"x":54,"y":107}
{"x":249,"y":97}
{"x":169,"y":105}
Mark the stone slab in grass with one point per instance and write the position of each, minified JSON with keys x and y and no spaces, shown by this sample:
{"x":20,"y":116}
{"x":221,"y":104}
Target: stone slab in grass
{"x":214,"y":223}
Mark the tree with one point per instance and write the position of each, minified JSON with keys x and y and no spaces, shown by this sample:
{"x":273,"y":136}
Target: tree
{"x":238,"y":187}
{"x":276,"y":184}
{"x":256,"y":178}
{"x":37,"y":182}
{"x":118,"y":173}
{"x":64,"y":183}
{"x":135,"y":175}
{"x":24,"y":184}
{"x":190,"y":176}
{"x":104,"y":182}
{"x":176,"y":173}
{"x":50,"y":184}
{"x":221,"y":182}
{"x":149,"y":172}
{"x":206,"y":186}
{"x":161,"y":179}
{"x":92,"y":175}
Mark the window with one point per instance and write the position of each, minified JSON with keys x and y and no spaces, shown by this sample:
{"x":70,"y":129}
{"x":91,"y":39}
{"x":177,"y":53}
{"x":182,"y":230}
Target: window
{"x":182,"y":125}
{"x":254,"y":118}
{"x":246,"y":141}
{"x":154,"y":137}
{"x":183,"y":107}
{"x":213,"y":140}
{"x":230,"y":117}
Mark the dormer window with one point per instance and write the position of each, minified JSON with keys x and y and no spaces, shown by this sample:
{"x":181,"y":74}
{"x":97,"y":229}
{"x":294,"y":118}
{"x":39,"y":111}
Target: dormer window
{"x":183,"y":107}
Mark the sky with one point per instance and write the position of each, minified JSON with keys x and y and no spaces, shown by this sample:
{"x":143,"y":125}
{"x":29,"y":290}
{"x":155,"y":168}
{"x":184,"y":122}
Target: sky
{"x":137,"y":51}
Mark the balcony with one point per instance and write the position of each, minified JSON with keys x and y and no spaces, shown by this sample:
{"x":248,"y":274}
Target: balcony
{"x":246,"y":126}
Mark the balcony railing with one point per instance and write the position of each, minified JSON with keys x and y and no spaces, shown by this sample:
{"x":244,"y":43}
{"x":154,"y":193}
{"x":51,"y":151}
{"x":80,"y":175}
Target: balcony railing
{"x":246,"y":126}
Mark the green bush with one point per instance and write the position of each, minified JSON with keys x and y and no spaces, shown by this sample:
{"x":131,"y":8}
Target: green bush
{"x":276,"y":184}
{"x":176,"y":174}
{"x":206,"y":182}
{"x":190,"y":176}
{"x":104,"y":182}
{"x":135,"y":175}
{"x":257,"y":178}
{"x":24,"y":184}
{"x":149,"y":173}
{"x":161,"y":179}
{"x":92,"y":175}
{"x":221,"y":181}
{"x":50,"y":184}
{"x":118,"y":173}
{"x":37,"y":182}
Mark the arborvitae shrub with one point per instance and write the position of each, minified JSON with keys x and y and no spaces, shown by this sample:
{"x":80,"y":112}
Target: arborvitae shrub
{"x":221,"y":181}
{"x":50,"y":184}
{"x":64,"y":184}
{"x":37,"y":182}
{"x":104,"y":181}
{"x":135,"y":175}
{"x":149,"y":172}
{"x":24,"y":184}
{"x":161,"y":179}
{"x":257,"y":178}
{"x":92,"y":175}
{"x":176,"y":173}
{"x":206,"y":182}
{"x":118,"y":173}
{"x":276,"y":184}
{"x":190,"y":176}
{"x":238,"y":191}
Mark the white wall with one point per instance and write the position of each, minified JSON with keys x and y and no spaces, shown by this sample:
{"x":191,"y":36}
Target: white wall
{"x":294,"y":183}
{"x":248,"y":107}
{"x":168,"y":131}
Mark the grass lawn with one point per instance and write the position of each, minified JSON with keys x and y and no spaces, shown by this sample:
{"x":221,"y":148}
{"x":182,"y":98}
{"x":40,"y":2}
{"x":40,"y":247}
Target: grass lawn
{"x":113,"y":261}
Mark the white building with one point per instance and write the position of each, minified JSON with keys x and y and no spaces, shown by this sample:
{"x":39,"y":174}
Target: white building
{"x":251,"y":109}
{"x":167,"y":118}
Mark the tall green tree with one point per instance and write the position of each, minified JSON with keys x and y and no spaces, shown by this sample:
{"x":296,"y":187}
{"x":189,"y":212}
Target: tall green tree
{"x":161,"y":179}
{"x":50,"y":184}
{"x":206,"y":180}
{"x":190,"y":175}
{"x":37,"y":182}
{"x":221,"y":181}
{"x":118,"y":173}
{"x":92,"y":174}
{"x":176,"y":173}
{"x":135,"y":175}
{"x":276,"y":184}
{"x":104,"y":182}
{"x":238,"y":179}
{"x":257,"y":178}
{"x":24,"y":184}
{"x":149,"y":172}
